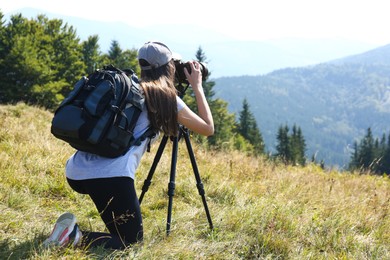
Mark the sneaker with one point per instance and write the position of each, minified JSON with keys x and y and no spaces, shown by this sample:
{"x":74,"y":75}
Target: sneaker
{"x":65,"y":232}
{"x":75,"y":236}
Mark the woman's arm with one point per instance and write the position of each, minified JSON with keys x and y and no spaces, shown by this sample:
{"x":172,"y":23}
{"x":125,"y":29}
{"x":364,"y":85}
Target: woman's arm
{"x":203,"y":122}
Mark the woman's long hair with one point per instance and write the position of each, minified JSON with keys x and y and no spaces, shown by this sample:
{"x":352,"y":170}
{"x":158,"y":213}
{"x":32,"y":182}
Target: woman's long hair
{"x":160,"y":94}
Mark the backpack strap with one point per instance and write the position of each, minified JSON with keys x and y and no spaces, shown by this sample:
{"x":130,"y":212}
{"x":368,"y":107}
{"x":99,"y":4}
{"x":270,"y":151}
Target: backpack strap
{"x":149,"y":133}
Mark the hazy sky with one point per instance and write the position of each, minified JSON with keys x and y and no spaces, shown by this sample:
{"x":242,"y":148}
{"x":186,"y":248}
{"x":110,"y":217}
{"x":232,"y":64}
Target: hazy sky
{"x":362,"y":20}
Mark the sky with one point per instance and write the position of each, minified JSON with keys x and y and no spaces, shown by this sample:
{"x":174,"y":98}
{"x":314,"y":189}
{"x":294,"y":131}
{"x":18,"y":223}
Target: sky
{"x":359,"y":20}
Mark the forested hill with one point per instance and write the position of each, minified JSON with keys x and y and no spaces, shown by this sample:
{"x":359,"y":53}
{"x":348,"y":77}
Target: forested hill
{"x":334,"y":103}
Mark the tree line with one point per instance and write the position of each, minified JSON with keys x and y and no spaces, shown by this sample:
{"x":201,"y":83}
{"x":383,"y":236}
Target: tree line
{"x":371,"y":154}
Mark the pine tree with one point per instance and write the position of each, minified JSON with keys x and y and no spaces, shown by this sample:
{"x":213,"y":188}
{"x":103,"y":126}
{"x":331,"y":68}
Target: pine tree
{"x":115,"y":52}
{"x":354,"y":164}
{"x":207,"y":85}
{"x":380,"y":152}
{"x":91,"y":54}
{"x":283,"y":144}
{"x":371,"y":154}
{"x":297,"y":147}
{"x":247,"y":127}
{"x":366,"y":154}
{"x":291,"y":148}
{"x":224,"y":122}
{"x":301,"y":143}
{"x":245,"y":120}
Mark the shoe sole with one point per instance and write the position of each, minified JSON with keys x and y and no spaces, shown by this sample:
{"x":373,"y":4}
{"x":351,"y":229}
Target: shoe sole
{"x":61,"y":231}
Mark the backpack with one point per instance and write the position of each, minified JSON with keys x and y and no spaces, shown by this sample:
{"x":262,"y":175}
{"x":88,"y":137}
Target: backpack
{"x":100,"y":113}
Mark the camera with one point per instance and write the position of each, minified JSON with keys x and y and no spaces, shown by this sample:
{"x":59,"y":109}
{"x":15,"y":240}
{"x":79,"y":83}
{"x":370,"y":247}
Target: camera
{"x":180,"y":76}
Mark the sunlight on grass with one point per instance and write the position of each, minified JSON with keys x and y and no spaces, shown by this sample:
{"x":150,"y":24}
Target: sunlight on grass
{"x":259,"y":209}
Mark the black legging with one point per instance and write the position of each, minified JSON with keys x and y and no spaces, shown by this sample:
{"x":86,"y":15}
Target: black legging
{"x":118,"y":205}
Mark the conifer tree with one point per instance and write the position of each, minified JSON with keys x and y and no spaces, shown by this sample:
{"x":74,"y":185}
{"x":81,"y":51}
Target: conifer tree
{"x":291,"y":148}
{"x":371,"y":154}
{"x":247,"y":127}
{"x":380,"y":152}
{"x":115,"y":52}
{"x":297,"y":146}
{"x":224,"y":122}
{"x":367,"y":150}
{"x":91,"y":54}
{"x":283,"y":144}
{"x":122,"y":59}
{"x":207,"y":85}
{"x":245,"y":120}
{"x":354,"y":164}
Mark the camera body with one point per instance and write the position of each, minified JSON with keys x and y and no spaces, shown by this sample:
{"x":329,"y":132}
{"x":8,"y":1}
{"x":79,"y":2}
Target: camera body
{"x":180,"y":76}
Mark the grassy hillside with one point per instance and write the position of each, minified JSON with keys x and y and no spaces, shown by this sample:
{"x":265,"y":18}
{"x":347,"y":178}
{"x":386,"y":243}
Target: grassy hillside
{"x":259,"y":210}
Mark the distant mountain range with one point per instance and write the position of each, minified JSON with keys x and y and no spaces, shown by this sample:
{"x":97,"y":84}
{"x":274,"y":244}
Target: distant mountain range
{"x":334,"y":103}
{"x":226,"y":56}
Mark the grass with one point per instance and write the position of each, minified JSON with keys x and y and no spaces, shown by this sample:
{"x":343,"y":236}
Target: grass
{"x":260,"y":210}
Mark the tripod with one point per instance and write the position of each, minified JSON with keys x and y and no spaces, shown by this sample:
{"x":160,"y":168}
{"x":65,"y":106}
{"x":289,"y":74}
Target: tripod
{"x":171,"y":186}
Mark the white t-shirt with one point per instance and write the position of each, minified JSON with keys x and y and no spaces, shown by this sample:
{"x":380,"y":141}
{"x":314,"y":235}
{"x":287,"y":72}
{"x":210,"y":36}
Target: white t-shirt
{"x":82,"y":165}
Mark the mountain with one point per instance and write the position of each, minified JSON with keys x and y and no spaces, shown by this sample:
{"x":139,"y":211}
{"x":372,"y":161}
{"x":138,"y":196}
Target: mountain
{"x":226,"y":56}
{"x":334,"y":103}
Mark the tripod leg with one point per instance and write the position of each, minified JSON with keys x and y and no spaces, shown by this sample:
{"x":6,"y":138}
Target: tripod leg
{"x":157,"y":158}
{"x":199,"y":183}
{"x":171,"y":185}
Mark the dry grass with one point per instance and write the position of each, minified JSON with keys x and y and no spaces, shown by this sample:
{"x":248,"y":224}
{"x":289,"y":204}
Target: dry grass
{"x":259,"y":209}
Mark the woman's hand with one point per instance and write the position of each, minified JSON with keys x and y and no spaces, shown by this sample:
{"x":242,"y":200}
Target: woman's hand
{"x":203,"y":122}
{"x":195,"y":78}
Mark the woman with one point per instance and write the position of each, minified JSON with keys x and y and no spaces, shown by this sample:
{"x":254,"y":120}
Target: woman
{"x":110,"y":182}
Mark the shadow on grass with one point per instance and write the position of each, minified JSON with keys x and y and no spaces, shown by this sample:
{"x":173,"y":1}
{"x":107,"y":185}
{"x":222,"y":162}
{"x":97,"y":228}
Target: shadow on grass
{"x":11,"y":249}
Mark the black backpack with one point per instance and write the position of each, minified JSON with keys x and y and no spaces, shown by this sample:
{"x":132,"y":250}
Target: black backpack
{"x":100,"y":113}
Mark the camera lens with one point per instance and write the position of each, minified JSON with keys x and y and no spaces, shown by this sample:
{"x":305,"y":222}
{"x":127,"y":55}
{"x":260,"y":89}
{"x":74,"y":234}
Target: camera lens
{"x":180,"y":75}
